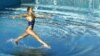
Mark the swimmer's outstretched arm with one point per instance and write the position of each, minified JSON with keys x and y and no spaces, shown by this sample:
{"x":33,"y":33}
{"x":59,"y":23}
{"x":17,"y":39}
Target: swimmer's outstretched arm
{"x":43,"y":16}
{"x":19,"y":16}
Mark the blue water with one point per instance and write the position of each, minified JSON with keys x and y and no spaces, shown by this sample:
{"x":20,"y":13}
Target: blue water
{"x":68,"y":34}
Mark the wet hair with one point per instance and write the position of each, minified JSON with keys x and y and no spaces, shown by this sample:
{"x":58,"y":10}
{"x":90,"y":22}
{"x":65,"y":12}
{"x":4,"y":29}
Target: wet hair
{"x":28,"y":8}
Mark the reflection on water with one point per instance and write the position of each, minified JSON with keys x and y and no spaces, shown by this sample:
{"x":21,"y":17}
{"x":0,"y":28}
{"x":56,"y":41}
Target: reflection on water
{"x":29,"y":52}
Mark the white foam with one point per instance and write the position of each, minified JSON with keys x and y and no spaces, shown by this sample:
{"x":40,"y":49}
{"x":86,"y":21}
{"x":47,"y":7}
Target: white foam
{"x":21,"y":44}
{"x":11,"y":40}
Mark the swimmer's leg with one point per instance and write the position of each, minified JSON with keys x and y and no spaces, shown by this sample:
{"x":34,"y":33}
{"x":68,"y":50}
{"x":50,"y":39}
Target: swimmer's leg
{"x":37,"y":38}
{"x":20,"y":37}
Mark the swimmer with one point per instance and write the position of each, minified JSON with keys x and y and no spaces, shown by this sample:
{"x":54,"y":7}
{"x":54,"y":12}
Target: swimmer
{"x":30,"y":17}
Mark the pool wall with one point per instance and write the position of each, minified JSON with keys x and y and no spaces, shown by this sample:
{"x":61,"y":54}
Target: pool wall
{"x":27,"y":1}
{"x":9,"y":3}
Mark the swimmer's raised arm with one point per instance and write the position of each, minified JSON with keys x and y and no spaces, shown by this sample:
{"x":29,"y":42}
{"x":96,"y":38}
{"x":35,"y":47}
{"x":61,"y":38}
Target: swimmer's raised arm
{"x":19,"y":16}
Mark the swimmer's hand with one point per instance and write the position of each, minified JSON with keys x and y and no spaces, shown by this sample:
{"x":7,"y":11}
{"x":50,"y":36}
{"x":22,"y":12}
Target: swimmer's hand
{"x":49,"y":16}
{"x":13,"y":17}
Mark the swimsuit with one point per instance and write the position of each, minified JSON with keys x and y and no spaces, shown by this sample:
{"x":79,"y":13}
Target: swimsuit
{"x":31,"y":23}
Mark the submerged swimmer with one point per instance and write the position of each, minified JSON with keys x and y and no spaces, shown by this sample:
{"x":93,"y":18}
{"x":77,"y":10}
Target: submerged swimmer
{"x":30,"y":17}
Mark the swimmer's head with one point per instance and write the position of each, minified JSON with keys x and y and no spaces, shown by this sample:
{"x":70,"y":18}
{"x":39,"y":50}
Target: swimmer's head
{"x":30,"y":9}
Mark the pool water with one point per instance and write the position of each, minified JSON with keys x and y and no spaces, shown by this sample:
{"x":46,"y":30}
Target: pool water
{"x":73,"y":34}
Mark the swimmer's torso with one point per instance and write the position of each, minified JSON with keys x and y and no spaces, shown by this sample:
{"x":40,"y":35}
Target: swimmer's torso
{"x":30,"y":17}
{"x":31,"y":20}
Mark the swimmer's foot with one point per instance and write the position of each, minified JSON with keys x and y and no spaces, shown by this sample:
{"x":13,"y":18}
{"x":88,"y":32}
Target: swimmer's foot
{"x":16,"y":42}
{"x":46,"y":46}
